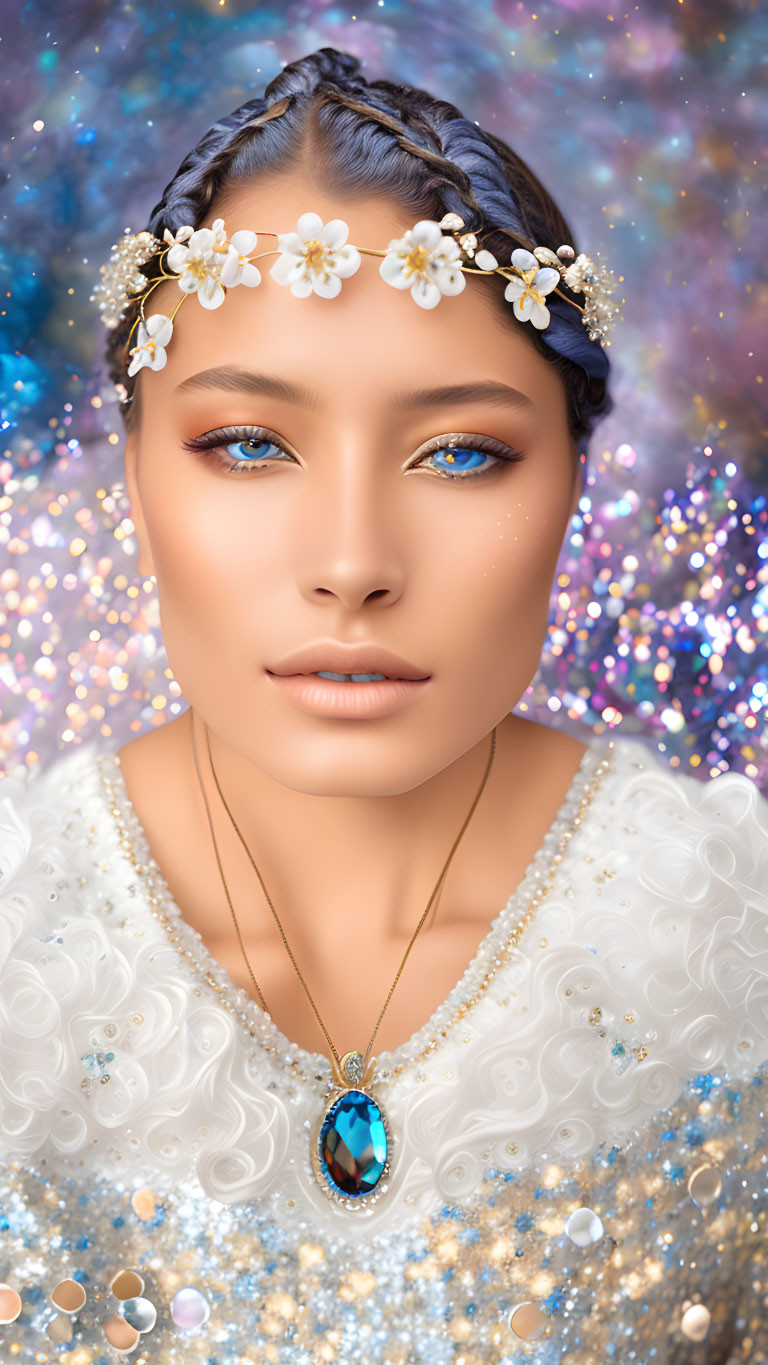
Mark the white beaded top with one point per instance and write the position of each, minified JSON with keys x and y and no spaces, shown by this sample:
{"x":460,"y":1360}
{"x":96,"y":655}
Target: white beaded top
{"x":126,"y":1048}
{"x":493,"y":948}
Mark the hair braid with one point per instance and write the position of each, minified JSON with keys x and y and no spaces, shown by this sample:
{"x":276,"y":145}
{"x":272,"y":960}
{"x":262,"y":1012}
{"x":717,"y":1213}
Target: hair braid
{"x":327,"y":65}
{"x":194,"y":187}
{"x":319,"y":114}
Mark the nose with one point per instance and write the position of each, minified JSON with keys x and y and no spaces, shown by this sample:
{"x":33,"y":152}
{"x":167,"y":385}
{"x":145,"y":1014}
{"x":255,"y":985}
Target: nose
{"x":352,"y":530}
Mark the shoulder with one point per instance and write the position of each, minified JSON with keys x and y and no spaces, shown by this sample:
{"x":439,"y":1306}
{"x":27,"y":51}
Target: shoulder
{"x":700,"y":843}
{"x":672,"y":879}
{"x":46,"y":814}
{"x":654,"y":797}
{"x":60,"y":967}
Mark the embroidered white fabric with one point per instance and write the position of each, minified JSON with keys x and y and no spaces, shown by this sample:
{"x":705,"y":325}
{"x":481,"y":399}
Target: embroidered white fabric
{"x":653,"y":936}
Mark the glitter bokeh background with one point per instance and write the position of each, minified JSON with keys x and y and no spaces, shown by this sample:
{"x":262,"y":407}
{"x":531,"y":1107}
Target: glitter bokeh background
{"x":645,"y":123}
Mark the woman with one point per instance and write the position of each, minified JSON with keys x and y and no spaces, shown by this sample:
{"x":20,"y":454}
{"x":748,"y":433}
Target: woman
{"x":471,"y":1068}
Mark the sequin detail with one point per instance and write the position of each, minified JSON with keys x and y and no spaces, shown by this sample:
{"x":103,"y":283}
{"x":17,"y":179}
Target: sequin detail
{"x":555,"y":1179}
{"x":230,"y":1285}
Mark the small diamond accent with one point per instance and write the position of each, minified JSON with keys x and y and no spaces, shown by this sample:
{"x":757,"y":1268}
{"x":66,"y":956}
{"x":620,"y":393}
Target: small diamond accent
{"x":352,"y":1067}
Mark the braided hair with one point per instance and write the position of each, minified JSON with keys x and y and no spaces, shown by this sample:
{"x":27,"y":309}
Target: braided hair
{"x":320,"y":115}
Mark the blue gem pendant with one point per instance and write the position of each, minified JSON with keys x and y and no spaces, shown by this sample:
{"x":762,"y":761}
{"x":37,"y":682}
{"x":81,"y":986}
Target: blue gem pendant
{"x":349,"y":1142}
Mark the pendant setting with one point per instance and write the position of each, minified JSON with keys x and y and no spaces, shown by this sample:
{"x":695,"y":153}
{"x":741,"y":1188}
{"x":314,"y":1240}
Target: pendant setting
{"x":350,"y":1141}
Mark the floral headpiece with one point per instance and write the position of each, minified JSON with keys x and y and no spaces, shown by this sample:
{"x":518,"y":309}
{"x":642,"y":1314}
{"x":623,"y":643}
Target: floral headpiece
{"x":316,"y":258}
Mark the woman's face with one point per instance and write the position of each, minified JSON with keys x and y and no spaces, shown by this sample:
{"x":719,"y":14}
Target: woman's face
{"x":325,"y":517}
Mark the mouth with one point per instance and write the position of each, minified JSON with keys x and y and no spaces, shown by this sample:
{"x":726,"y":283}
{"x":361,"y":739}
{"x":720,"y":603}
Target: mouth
{"x":354,"y":696}
{"x":358,"y":664}
{"x":346,"y":677}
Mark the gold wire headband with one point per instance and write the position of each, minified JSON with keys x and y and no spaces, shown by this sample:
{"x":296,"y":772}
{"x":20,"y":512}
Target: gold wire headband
{"x":316,"y":257}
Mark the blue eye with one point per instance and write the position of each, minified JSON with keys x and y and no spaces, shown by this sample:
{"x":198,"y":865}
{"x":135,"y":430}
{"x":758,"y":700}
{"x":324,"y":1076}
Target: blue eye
{"x":458,"y":458}
{"x":454,"y":458}
{"x":237,"y":449}
{"x":246,"y":449}
{"x":251,"y":449}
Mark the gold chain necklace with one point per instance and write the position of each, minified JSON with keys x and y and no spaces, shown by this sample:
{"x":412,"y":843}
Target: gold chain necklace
{"x":351,"y":1139}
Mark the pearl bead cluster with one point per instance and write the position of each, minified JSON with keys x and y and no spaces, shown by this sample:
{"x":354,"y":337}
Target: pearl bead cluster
{"x":495,"y":949}
{"x":120,"y":277}
{"x":594,"y":280}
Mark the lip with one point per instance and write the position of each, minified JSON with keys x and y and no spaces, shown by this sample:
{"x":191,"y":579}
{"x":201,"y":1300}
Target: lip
{"x":358,"y":701}
{"x":332,"y":656}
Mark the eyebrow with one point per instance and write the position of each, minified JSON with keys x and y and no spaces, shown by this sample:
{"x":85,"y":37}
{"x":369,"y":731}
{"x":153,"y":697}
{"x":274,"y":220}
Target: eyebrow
{"x":233,"y":380}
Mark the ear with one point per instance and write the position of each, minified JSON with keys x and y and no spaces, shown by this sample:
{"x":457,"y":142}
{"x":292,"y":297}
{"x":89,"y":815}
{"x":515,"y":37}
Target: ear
{"x":145,"y":563}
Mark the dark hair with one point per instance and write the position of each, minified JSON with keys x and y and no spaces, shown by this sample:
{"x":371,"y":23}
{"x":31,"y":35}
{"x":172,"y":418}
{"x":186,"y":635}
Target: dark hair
{"x":321,"y":116}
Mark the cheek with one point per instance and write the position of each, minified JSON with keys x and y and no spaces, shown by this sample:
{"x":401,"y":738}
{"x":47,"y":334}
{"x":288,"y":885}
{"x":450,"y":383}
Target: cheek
{"x":214,"y":555}
{"x":207,"y":534}
{"x":494,"y":586}
{"x":502,"y":561}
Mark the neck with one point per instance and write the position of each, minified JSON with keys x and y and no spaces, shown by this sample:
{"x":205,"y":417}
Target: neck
{"x":339,"y":853}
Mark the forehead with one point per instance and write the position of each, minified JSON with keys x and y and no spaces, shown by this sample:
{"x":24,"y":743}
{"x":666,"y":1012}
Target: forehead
{"x":365,"y":345}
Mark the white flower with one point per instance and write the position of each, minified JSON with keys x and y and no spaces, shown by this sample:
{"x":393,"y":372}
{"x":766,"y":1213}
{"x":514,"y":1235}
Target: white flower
{"x":314,"y":258}
{"x":424,"y":261}
{"x":528,"y":291}
{"x":199,"y":263}
{"x":237,"y":269}
{"x":180,"y":235}
{"x":153,"y":336}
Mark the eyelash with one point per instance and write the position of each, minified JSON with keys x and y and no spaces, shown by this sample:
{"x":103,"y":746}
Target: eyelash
{"x":209,"y":446}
